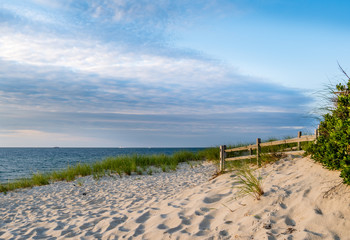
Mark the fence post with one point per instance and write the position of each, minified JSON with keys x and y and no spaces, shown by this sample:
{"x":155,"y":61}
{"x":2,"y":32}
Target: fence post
{"x":317,"y":133}
{"x":258,"y":150}
{"x":299,"y":136}
{"x":222,"y":157}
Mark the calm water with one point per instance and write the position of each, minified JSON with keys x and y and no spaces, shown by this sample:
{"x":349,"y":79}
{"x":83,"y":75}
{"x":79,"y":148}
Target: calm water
{"x":22,"y":162}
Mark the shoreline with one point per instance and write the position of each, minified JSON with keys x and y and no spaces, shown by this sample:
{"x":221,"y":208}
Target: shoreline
{"x":23,"y":163}
{"x":302,"y":200}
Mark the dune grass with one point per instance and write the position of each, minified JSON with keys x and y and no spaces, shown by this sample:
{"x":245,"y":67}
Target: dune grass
{"x":248,"y":183}
{"x":126,"y":164}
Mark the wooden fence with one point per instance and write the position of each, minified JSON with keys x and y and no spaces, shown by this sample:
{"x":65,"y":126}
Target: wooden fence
{"x":259,"y":145}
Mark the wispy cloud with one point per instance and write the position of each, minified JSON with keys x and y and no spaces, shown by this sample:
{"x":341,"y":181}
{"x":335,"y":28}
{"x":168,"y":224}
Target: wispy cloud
{"x":106,"y":60}
{"x":55,"y":87}
{"x":104,"y":73}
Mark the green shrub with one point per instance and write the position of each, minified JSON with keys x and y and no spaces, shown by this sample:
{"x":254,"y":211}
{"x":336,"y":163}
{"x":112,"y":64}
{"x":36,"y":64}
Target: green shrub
{"x":345,"y":174}
{"x":333,"y":145}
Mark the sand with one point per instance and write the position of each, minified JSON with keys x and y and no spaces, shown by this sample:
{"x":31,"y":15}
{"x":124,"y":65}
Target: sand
{"x":302,"y":200}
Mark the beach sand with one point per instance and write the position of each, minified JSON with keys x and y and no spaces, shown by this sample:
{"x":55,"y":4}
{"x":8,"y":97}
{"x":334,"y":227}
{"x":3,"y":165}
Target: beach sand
{"x":302,"y":200}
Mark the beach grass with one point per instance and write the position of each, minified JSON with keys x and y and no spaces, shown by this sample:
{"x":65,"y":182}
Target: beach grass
{"x":124,"y":164}
{"x":248,"y":183}
{"x":212,"y":154}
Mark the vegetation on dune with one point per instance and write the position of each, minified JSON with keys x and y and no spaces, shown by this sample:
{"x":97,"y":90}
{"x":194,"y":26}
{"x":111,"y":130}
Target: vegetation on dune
{"x":248,"y":183}
{"x":211,"y":154}
{"x":333,"y":144}
{"x":128,"y":164}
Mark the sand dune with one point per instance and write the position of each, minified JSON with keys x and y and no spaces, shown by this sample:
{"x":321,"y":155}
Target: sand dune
{"x":302,"y":200}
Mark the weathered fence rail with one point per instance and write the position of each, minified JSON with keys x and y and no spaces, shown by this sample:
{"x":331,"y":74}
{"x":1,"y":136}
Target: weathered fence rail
{"x":259,"y":145}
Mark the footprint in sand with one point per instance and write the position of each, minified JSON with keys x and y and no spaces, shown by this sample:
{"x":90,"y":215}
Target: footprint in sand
{"x":162,"y":226}
{"x":86,"y":225}
{"x":115,"y":222}
{"x":201,"y":233}
{"x":289,"y":221}
{"x":287,"y":192}
{"x":185,"y":232}
{"x":318,"y":211}
{"x":143,"y":218}
{"x":63,"y":217}
{"x":93,"y":235}
{"x":271,"y":237}
{"x":172,"y":205}
{"x":204,"y":209}
{"x":123,"y":229}
{"x":139,"y":230}
{"x":39,"y":233}
{"x":306,"y":193}
{"x":185,"y":221}
{"x":175,"y":229}
{"x":205,"y":223}
{"x":68,"y":232}
{"x":60,"y":226}
{"x":201,"y":211}
{"x":282,"y":205}
{"x":198,"y":213}
{"x":212,"y":199}
{"x":336,"y":237}
{"x":223,"y":233}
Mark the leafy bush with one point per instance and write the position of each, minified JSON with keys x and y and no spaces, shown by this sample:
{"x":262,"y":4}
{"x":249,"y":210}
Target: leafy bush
{"x":333,"y":145}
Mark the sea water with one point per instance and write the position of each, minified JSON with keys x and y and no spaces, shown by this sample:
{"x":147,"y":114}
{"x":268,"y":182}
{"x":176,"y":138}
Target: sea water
{"x":23,"y":162}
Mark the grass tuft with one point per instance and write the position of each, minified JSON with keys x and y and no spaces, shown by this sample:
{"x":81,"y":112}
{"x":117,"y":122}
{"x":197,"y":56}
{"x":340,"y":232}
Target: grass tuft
{"x":248,"y":184}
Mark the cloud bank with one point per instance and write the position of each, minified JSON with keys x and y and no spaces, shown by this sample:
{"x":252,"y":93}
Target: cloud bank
{"x":104,"y":73}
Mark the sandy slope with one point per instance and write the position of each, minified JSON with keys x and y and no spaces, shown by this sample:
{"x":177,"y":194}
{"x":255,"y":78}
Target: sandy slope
{"x":301,"y":201}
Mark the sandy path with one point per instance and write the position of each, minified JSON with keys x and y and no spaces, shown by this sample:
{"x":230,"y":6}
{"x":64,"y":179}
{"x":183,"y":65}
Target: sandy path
{"x":301,"y":201}
{"x":93,"y":210}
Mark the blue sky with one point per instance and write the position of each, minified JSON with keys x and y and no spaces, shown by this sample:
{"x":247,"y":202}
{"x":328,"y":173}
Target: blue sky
{"x":140,"y":73}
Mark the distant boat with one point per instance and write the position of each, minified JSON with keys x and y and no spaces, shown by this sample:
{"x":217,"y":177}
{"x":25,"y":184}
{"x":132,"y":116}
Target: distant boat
{"x":56,"y":147}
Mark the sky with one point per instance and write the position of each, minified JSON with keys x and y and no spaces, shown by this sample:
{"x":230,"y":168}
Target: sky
{"x":145,"y":73}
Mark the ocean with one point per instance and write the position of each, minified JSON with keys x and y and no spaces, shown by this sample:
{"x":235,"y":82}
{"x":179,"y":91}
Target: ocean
{"x":23,"y":162}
